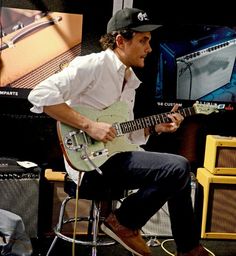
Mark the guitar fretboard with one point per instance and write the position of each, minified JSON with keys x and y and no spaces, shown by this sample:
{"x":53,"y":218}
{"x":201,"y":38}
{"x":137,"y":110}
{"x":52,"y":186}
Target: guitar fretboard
{"x":152,"y":120}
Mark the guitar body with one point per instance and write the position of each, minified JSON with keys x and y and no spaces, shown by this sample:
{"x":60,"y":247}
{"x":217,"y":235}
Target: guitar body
{"x":85,"y":154}
{"x":76,"y":143}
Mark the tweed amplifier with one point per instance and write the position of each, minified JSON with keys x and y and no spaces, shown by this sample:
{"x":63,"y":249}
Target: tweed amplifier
{"x":219,"y":208}
{"x":55,"y":180}
{"x":19,"y":190}
{"x":32,"y":52}
{"x":220,"y":155}
{"x":159,"y":224}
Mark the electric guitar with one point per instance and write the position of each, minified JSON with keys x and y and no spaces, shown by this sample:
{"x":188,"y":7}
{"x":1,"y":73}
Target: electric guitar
{"x":85,"y":154}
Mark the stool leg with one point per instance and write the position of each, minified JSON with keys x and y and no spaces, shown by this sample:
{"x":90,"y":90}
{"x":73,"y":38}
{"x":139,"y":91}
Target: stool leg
{"x":96,"y":217}
{"x":52,"y":245}
{"x":59,"y":224}
{"x":90,"y":221}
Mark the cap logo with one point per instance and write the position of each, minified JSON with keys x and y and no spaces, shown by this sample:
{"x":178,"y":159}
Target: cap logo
{"x":142,"y":16}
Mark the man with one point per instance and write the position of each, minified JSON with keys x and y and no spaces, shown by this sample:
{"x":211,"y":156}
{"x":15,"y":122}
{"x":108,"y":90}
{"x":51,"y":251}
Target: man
{"x":97,"y":81}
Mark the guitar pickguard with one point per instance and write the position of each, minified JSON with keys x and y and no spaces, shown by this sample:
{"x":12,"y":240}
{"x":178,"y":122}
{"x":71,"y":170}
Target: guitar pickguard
{"x":78,"y":146}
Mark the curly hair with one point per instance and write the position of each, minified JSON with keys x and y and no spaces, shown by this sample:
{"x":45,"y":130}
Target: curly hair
{"x":109,"y":40}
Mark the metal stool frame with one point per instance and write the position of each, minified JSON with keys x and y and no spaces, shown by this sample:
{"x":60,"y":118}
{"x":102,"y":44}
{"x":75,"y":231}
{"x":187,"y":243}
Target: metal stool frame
{"x":93,"y":220}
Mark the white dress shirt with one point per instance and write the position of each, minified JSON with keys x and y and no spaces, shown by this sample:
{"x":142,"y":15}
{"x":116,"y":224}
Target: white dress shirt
{"x":93,"y":80}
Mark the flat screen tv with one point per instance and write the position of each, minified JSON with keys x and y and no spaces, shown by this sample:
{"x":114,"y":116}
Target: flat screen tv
{"x":200,"y":67}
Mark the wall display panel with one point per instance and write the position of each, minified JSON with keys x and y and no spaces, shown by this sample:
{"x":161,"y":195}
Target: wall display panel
{"x":34,"y":46}
{"x":199,"y":66}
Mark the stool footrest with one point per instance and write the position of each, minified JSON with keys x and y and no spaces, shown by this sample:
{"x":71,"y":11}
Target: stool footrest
{"x":100,"y":241}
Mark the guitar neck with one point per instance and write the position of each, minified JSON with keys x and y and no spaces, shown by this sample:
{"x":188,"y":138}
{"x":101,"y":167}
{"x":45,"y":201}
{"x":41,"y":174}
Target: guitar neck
{"x":140,"y":123}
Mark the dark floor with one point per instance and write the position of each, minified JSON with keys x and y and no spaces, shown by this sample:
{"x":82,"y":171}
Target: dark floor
{"x":62,"y":248}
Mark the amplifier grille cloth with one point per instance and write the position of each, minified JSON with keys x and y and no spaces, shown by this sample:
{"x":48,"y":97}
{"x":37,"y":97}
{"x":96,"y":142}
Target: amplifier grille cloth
{"x":222,"y":208}
{"x":30,"y":80}
{"x":226,"y":157}
{"x":20,"y":196}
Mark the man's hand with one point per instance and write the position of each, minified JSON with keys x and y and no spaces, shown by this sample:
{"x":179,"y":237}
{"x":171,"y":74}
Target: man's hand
{"x":176,"y":119}
{"x":101,"y":131}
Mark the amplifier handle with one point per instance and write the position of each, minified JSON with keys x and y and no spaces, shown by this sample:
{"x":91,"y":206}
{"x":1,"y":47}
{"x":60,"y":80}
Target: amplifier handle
{"x":28,"y":30}
{"x":203,"y":39}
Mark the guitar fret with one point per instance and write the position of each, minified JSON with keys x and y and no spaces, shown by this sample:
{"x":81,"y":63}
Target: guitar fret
{"x":134,"y":126}
{"x":184,"y":112}
{"x":125,"y":127}
{"x":187,"y":112}
{"x":162,"y":117}
{"x":147,"y":121}
{"x":157,"y":119}
{"x":128,"y":126}
{"x":192,"y":112}
{"x":152,"y":120}
{"x":139,"y":123}
{"x":143,"y":122}
{"x":122,"y":126}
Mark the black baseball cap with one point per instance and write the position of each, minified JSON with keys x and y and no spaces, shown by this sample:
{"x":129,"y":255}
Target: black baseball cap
{"x":131,"y":18}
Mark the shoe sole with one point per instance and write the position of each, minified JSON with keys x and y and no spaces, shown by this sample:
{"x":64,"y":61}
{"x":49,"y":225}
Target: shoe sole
{"x":110,"y":233}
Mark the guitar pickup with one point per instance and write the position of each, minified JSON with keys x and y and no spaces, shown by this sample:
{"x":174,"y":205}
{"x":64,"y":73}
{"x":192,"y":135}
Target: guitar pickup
{"x":93,"y":155}
{"x":100,"y":152}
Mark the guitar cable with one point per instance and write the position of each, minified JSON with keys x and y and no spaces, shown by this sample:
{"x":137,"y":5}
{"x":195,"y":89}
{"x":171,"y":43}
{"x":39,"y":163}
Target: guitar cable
{"x":76,"y":213}
{"x":170,"y":240}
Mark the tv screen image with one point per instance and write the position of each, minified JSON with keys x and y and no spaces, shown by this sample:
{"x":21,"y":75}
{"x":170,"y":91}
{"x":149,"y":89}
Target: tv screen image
{"x":201,"y":68}
{"x":35,"y":45}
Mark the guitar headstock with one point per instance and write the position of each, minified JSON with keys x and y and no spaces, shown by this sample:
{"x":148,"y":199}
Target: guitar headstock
{"x":207,"y":109}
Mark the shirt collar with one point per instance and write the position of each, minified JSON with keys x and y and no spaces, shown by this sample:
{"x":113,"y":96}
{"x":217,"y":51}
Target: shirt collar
{"x":120,"y":67}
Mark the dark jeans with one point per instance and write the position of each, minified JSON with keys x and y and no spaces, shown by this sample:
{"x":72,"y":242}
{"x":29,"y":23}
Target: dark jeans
{"x":159,"y":178}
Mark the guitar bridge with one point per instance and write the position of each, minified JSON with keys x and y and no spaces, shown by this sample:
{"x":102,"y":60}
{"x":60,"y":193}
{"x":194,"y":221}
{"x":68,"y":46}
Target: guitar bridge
{"x":72,"y":143}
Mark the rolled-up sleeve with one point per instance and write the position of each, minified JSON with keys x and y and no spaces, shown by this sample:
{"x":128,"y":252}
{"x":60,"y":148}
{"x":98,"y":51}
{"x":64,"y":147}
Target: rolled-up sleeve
{"x":61,"y":87}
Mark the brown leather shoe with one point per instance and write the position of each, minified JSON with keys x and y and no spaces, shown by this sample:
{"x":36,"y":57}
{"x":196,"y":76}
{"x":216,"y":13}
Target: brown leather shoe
{"x":130,"y":239}
{"x":197,"y":251}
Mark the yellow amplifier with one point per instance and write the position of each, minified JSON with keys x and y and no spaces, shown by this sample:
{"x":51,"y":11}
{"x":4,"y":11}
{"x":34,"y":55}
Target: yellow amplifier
{"x":219,"y":208}
{"x":220,"y":155}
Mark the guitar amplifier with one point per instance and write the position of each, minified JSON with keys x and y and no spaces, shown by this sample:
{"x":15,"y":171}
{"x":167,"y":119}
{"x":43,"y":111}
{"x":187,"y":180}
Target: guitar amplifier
{"x":19,"y":190}
{"x":219,"y":208}
{"x":220,"y":155}
{"x":159,"y":224}
{"x":39,"y":49}
{"x":198,"y":65}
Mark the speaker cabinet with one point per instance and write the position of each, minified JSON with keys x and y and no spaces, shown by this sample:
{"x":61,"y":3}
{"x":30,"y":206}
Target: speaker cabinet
{"x":19,"y":190}
{"x":55,"y":180}
{"x":159,"y":224}
{"x":220,"y":155}
{"x":219,"y":207}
